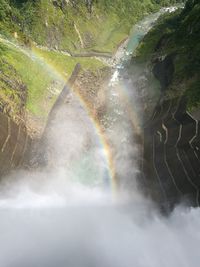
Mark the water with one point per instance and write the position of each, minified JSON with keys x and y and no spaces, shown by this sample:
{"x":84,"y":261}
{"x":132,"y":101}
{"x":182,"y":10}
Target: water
{"x":68,"y":214}
{"x":139,"y":30}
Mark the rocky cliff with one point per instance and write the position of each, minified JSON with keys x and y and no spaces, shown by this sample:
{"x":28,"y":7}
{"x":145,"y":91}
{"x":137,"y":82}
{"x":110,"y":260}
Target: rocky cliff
{"x":172,"y":48}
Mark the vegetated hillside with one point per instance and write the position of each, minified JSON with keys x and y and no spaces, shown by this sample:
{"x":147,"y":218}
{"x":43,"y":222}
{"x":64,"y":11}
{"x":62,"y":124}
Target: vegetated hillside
{"x":74,"y":25}
{"x":33,"y":33}
{"x":173,"y":47}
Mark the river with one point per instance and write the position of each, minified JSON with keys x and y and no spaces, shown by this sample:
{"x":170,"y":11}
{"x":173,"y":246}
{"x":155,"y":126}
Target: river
{"x":69,"y":214}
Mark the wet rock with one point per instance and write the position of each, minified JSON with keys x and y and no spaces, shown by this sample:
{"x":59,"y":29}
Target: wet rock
{"x":163,"y":70}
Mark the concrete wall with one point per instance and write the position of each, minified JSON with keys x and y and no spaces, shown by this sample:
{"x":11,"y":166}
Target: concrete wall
{"x":14,"y":145}
{"x":172,"y":155}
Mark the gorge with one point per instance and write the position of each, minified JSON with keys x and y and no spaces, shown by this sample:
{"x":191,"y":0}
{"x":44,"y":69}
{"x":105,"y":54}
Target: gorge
{"x":101,"y":170}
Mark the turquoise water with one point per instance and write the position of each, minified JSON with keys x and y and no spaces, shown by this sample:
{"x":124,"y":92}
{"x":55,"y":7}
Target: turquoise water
{"x":140,"y":29}
{"x":134,"y":41}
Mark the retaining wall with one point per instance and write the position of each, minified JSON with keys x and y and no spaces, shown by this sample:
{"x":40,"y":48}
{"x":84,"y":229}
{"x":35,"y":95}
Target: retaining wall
{"x":172,"y":155}
{"x":14,"y":145}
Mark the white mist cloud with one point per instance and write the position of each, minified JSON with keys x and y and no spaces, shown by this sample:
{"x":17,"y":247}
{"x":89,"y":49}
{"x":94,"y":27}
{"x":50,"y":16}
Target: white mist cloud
{"x":66,"y":215}
{"x":85,"y":228}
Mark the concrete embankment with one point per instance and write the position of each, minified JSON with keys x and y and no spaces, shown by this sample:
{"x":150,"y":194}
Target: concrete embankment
{"x":15,"y":145}
{"x":171,"y":154}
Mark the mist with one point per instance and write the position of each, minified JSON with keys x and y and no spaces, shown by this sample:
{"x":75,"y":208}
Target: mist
{"x":47,"y":221}
{"x":67,"y":214}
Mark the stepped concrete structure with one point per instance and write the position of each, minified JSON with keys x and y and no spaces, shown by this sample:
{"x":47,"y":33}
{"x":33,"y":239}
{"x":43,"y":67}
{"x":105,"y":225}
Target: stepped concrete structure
{"x":17,"y":149}
{"x":171,"y":164}
{"x":15,"y":145}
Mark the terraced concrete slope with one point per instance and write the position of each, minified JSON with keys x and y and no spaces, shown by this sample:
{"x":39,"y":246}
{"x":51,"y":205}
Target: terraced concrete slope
{"x":171,"y":138}
{"x":15,"y":145}
{"x":171,"y":154}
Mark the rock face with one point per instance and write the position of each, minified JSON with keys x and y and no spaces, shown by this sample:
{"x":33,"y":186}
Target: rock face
{"x":14,"y":145}
{"x":171,"y":155}
{"x":163,"y":70}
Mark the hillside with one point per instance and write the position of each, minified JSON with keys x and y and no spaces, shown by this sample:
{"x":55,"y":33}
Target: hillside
{"x":173,"y":48}
{"x":170,"y":52}
{"x":39,"y":40}
{"x":74,"y":25}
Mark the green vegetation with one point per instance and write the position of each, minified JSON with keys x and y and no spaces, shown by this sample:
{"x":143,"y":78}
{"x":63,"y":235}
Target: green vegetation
{"x":13,"y":91}
{"x":159,"y":38}
{"x":59,"y":24}
{"x":65,"y":64}
{"x":178,"y":34}
{"x":34,"y":76}
{"x":40,"y":70}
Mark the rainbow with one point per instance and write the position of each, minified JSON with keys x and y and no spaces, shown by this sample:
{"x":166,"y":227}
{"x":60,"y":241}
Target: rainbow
{"x":102,"y":138}
{"x":104,"y":143}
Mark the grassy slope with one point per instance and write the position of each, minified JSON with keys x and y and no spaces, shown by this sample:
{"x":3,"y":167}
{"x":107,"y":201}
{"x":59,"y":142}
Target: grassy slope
{"x":178,"y":33}
{"x":39,"y":77}
{"x":13,"y":91}
{"x":53,"y":24}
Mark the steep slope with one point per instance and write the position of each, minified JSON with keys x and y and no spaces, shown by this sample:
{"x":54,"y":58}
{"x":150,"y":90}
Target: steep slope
{"x":39,"y":40}
{"x":74,"y":25}
{"x":171,"y":136}
{"x":173,"y":49}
